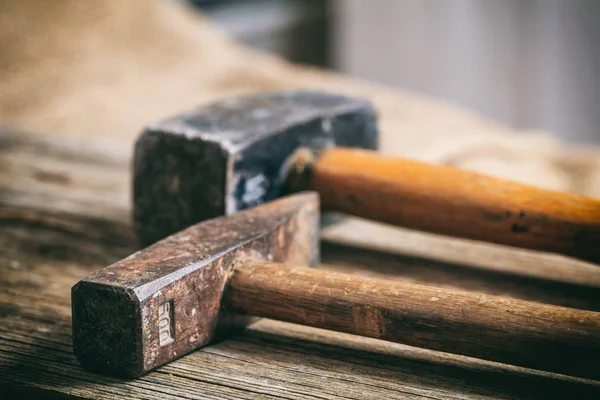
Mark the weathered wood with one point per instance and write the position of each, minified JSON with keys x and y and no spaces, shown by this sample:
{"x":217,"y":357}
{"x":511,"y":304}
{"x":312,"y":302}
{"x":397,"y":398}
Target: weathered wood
{"x":450,"y":201}
{"x":529,"y":334}
{"x":53,"y":234}
{"x":567,"y":284}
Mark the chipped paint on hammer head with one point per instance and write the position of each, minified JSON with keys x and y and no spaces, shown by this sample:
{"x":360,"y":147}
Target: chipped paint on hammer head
{"x":228,"y":156}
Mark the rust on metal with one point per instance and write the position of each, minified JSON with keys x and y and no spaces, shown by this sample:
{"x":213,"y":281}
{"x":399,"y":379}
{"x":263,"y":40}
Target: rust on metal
{"x":165,"y":301}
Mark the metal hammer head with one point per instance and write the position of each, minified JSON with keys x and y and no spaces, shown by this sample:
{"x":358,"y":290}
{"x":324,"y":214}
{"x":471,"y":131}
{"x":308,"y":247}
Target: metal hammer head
{"x":231,"y":155}
{"x":164,"y":301}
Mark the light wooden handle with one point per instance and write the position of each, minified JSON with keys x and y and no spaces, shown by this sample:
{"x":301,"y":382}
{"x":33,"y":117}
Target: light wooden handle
{"x":517,"y":332}
{"x":458,"y":203}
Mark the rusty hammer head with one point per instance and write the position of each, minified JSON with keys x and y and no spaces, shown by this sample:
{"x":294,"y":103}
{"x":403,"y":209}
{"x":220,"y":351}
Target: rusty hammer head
{"x":164,"y":301}
{"x":232,"y":155}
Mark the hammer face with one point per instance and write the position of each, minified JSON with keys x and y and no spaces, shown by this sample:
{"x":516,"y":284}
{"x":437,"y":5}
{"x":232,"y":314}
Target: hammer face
{"x":229,"y":156}
{"x":164,"y":301}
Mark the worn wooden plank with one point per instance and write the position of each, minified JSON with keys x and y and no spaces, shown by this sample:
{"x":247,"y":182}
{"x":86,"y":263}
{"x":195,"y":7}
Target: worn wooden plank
{"x":54,"y":231}
{"x":273,"y":359}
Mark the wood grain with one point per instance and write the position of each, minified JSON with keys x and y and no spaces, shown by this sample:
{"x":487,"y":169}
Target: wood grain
{"x":449,"y":201}
{"x":516,"y":332}
{"x":53,"y":234}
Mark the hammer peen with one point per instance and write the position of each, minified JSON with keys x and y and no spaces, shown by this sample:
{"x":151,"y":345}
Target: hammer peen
{"x":245,"y":151}
{"x":183,"y":292}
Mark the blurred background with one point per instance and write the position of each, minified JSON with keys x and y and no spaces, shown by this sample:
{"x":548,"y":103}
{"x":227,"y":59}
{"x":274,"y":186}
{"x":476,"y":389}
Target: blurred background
{"x":531,"y":64}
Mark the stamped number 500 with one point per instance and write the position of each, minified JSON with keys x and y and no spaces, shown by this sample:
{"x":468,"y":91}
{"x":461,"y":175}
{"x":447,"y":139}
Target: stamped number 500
{"x":165,"y":325}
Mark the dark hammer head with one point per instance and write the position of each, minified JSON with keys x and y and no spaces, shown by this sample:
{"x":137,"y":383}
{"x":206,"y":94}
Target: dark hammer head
{"x":232,"y":155}
{"x":164,"y":301}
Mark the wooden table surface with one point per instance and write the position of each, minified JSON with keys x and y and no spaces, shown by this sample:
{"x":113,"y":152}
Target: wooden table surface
{"x":64,"y":213}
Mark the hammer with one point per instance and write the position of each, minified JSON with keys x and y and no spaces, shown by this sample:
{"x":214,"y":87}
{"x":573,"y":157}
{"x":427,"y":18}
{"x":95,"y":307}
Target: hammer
{"x":185,"y":291}
{"x":245,"y":151}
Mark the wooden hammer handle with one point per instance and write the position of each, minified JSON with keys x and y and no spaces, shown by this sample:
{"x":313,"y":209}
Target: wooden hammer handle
{"x":450,"y":201}
{"x":518,"y":332}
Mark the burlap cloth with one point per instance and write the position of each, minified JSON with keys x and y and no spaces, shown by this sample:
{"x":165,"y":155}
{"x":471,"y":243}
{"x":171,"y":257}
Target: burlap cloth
{"x":106,"y":68}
